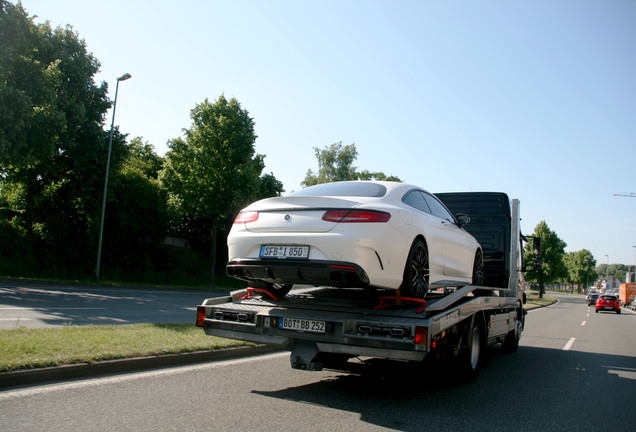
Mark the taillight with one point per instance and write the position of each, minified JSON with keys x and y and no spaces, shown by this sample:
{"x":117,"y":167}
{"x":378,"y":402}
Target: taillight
{"x":356,"y":216}
{"x":246,"y":217}
{"x":421,"y":335}
{"x":200,"y":316}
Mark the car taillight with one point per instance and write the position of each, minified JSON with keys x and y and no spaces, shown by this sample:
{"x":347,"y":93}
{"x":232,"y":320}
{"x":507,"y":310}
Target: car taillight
{"x":356,"y":216}
{"x":245,"y":217}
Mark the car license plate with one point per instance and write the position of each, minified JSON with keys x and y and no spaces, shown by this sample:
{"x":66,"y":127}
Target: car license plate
{"x":285,"y":252}
{"x":302,"y":325}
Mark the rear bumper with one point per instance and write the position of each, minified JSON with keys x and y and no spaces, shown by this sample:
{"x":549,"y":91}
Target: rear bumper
{"x":312,"y":272}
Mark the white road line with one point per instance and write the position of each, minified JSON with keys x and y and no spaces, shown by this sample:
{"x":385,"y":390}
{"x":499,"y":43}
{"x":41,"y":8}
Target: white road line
{"x":52,"y":308}
{"x":583,"y":323}
{"x":569,"y":344}
{"x":119,"y":378}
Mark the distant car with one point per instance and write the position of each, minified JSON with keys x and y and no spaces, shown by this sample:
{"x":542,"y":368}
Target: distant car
{"x":608,"y":302}
{"x":387,"y":235}
{"x":591,"y":298}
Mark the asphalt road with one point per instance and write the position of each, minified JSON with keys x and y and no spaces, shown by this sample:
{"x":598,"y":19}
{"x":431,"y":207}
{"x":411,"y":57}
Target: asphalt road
{"x":575,"y":370}
{"x":27,"y":304}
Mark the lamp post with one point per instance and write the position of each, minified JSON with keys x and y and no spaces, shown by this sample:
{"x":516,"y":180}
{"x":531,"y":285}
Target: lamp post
{"x":634,"y":277}
{"x":124,"y":77}
{"x":607,"y":273}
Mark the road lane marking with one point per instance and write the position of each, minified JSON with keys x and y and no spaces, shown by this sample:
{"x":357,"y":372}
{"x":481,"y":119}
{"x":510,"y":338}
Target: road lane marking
{"x":569,"y":344}
{"x":116,"y":378}
{"x":583,"y":323}
{"x":53,"y":308}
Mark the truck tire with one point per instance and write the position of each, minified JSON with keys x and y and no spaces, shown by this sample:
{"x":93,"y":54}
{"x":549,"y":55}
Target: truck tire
{"x":511,"y":342}
{"x":470,"y":356}
{"x":417,"y":272}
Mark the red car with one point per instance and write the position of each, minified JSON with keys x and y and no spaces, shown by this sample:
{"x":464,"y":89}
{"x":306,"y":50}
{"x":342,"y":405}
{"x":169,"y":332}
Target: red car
{"x":608,"y":302}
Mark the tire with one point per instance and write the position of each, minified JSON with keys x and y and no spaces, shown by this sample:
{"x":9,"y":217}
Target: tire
{"x":478,"y":268}
{"x":416,"y":273}
{"x":596,"y":310}
{"x":511,"y":342}
{"x":279,"y":290}
{"x":470,"y":356}
{"x":618,"y":311}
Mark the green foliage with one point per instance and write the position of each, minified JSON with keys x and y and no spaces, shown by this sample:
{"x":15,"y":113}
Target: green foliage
{"x":553,"y":250}
{"x":580,"y":267}
{"x":617,"y":270}
{"x":335,"y":163}
{"x":51,"y":139}
{"x":214,"y":171}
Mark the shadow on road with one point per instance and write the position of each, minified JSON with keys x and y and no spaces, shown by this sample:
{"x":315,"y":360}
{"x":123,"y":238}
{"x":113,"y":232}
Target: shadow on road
{"x":51,"y":305}
{"x":533,"y":389}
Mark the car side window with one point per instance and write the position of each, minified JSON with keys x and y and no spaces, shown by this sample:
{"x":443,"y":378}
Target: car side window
{"x":416,"y":199}
{"x":438,"y":209}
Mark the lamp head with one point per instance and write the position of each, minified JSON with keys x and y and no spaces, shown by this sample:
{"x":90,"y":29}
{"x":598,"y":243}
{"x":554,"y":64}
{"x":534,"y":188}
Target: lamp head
{"x":124,"y":77}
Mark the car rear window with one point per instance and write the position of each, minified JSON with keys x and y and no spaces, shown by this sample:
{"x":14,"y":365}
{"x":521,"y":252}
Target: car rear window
{"x":361,"y":189}
{"x":608,"y":297}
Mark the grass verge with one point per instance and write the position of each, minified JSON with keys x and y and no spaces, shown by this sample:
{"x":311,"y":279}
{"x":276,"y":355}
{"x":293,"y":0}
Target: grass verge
{"x":26,"y":348}
{"x":533,"y":301}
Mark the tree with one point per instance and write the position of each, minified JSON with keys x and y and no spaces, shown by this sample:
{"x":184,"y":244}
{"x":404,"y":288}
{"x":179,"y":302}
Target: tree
{"x":52,"y":145}
{"x":137,"y":214}
{"x":214,"y":170}
{"x":335,"y":163}
{"x":580,"y":267}
{"x":552,"y":252}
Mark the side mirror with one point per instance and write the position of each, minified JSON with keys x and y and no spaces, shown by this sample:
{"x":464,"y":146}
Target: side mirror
{"x":463,"y":219}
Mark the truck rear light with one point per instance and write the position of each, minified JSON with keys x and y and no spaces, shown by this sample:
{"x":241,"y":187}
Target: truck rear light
{"x":200,"y":316}
{"x":246,"y":217}
{"x":356,"y":216}
{"x":421,"y":335}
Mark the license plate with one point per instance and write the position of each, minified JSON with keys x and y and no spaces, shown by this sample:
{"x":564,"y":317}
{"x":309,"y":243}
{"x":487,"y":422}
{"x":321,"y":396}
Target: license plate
{"x":302,"y":325}
{"x":285,"y":252}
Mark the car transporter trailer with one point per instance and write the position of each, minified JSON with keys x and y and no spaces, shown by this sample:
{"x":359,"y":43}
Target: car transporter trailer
{"x":324,"y":327}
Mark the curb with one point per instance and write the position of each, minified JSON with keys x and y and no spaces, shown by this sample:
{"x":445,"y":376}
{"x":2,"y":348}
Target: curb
{"x":87,"y":370}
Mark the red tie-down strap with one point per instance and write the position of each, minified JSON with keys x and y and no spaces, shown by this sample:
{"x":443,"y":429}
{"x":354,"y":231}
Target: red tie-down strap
{"x":250,"y":292}
{"x":384,"y":305}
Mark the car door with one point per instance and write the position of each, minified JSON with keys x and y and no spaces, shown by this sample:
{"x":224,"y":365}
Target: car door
{"x":458,"y":250}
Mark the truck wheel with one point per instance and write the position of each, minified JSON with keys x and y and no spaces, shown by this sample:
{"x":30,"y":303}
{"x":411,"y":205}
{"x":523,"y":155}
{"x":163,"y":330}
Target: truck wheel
{"x":511,"y":342}
{"x":469,"y":360}
{"x":416,"y":273}
{"x":279,"y":290}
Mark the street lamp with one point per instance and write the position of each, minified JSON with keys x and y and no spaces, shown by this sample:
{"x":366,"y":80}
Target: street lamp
{"x":124,"y":77}
{"x":634,"y":277}
{"x":607,"y":273}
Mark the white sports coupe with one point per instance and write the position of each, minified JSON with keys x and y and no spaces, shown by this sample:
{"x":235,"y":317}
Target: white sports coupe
{"x":387,"y":235}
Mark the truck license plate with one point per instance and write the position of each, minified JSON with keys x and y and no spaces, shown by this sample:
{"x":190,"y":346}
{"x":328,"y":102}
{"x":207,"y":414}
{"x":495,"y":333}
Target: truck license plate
{"x":302,"y":325}
{"x":285,"y":252}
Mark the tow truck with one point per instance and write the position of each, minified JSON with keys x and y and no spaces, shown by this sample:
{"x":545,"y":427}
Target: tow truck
{"x":324,"y":327}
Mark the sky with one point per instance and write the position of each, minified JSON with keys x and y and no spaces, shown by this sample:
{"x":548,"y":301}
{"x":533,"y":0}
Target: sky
{"x":533,"y":98}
